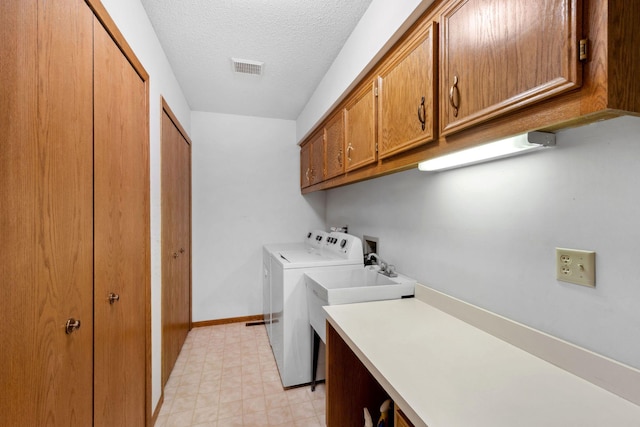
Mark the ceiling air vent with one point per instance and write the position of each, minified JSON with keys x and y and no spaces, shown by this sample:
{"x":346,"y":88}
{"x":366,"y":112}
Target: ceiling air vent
{"x":247,"y":66}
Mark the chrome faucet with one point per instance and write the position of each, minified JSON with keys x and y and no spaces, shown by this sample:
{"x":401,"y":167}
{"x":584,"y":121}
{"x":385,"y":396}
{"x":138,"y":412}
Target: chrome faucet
{"x":386,"y":269}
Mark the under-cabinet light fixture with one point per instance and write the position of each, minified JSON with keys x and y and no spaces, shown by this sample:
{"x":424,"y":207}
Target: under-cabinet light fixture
{"x":508,"y":147}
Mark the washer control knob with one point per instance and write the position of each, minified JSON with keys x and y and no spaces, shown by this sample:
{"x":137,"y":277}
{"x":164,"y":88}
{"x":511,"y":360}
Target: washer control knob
{"x":343,"y":243}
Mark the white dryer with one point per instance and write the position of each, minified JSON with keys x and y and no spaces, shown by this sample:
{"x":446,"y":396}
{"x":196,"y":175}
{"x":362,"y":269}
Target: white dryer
{"x":285,"y":295}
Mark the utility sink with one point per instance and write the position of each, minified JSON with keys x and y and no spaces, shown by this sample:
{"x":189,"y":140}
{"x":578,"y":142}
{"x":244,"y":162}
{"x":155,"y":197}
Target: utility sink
{"x":332,"y":287}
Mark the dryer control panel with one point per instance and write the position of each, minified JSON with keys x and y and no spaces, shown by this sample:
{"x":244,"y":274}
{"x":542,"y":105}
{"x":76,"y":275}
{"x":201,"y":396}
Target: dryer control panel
{"x":344,"y":245}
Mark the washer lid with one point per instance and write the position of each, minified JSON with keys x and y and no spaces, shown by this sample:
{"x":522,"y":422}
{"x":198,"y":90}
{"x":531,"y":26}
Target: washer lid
{"x":305,"y":257}
{"x":296,"y":259}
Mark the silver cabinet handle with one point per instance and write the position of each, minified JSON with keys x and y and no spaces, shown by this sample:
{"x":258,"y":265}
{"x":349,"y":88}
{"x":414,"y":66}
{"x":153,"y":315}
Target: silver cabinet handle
{"x":113,"y":297}
{"x":71,"y":326}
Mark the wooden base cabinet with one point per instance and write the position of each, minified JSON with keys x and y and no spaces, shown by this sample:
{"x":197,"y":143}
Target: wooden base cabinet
{"x":400,"y":419}
{"x":350,"y":386}
{"x":74,"y":219}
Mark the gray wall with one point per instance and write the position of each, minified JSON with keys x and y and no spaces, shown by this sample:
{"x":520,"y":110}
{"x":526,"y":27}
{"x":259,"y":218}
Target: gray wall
{"x":246,"y":192}
{"x":487,"y":233}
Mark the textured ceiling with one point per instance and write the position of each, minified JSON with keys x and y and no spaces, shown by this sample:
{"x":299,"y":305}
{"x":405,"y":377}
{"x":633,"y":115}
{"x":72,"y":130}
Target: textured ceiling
{"x":296,"y":39}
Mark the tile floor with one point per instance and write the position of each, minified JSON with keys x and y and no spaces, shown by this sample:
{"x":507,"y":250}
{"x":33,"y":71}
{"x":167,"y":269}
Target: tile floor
{"x":226,"y":376}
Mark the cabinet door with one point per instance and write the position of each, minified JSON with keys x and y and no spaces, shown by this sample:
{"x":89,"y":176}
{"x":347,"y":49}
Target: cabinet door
{"x":311,"y":160}
{"x":305,"y":165}
{"x":406,"y":95}
{"x":46,"y":211}
{"x":317,"y":158}
{"x":350,"y":385}
{"x":498,"y":56}
{"x":122,"y":237}
{"x":360,"y":128}
{"x":334,"y":146}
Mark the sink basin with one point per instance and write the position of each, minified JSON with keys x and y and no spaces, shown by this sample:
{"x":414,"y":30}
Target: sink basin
{"x":332,"y":287}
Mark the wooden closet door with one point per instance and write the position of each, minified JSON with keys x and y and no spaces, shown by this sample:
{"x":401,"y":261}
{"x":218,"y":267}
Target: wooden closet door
{"x":170,"y":342}
{"x":46,"y":227}
{"x":183,"y":306}
{"x":176,"y":241}
{"x":121,"y":236}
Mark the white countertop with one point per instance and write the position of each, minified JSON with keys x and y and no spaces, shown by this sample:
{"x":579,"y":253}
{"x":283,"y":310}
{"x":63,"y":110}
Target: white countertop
{"x":443,"y":372}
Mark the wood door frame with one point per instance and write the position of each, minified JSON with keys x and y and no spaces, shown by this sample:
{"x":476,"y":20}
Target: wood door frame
{"x":103,"y":16}
{"x":164,"y":108}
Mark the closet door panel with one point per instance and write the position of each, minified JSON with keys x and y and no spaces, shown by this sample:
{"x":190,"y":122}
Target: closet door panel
{"x":46,"y":224}
{"x":176,"y":243}
{"x":183,"y":291}
{"x":121,"y":236}
{"x":170,"y":346}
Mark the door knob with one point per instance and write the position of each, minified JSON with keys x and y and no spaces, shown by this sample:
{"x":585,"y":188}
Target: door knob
{"x":175,"y":254}
{"x":113,"y":297}
{"x":71,"y":325}
{"x":181,"y":250}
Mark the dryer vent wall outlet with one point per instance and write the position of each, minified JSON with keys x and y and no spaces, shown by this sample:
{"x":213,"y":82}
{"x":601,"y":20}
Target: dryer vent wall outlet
{"x":576,"y":266}
{"x":370,"y":244}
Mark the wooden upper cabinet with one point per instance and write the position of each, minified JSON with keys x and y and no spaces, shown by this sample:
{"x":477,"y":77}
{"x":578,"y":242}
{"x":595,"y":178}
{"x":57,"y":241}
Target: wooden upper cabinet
{"x":406,"y":94}
{"x":311,"y":160}
{"x":490,"y":69}
{"x":305,"y":164}
{"x":360,"y":128}
{"x":334,"y":146}
{"x":317,"y":158}
{"x":497,"y":56}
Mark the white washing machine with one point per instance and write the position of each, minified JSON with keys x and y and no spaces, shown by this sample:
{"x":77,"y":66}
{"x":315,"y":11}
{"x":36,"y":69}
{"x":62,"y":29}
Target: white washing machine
{"x":285,"y":295}
{"x":313,"y":242}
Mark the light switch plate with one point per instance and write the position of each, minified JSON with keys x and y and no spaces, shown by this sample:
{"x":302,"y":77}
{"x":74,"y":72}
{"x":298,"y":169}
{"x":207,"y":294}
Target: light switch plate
{"x":576,"y":266}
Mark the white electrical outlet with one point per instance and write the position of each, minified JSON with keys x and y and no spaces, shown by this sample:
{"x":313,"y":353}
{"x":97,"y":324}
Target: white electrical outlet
{"x":576,"y":266}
